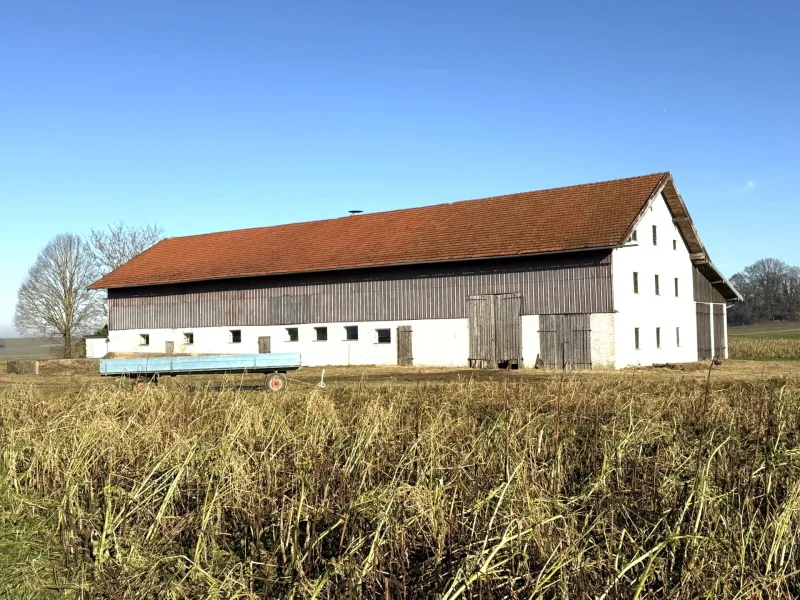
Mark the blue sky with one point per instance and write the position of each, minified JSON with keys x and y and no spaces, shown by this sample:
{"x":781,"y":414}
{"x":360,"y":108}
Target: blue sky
{"x":204,"y":116}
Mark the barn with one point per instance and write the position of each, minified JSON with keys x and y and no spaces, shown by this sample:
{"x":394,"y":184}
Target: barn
{"x":600,"y":275}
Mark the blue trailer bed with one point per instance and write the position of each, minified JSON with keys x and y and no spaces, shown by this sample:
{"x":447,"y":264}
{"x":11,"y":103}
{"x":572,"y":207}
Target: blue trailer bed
{"x":141,"y":368}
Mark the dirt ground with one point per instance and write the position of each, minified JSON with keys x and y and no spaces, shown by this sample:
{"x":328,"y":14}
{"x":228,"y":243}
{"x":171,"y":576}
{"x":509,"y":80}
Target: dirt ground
{"x":57,"y":375}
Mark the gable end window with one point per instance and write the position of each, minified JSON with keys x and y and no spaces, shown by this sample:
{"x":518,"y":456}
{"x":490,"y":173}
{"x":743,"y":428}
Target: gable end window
{"x":678,"y":336}
{"x":633,"y":237}
{"x":655,"y":235}
{"x":658,"y":287}
{"x":658,"y":337}
{"x":235,"y":336}
{"x":674,"y":244}
{"x":635,"y":282}
{"x":636,"y":337}
{"x":322,"y":334}
{"x":676,"y":287}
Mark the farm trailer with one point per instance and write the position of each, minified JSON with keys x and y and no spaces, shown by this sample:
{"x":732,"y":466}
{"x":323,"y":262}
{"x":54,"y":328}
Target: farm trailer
{"x":274,"y":366}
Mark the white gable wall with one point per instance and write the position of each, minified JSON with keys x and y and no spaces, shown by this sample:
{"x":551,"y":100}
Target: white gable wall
{"x":646,"y":310}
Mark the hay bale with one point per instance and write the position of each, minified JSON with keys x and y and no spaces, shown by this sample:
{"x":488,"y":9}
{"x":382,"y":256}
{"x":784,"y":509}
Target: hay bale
{"x":23,"y":367}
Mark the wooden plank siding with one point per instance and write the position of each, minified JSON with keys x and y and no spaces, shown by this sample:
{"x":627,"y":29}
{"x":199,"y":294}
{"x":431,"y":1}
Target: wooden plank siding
{"x":703,"y":290}
{"x":566,"y":283}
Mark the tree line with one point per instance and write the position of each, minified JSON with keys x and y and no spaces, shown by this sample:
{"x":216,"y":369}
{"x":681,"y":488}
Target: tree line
{"x":54,"y":300}
{"x":771,"y":290}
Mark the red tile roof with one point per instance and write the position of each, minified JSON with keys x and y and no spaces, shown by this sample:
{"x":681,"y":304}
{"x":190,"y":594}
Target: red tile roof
{"x":594,"y":215}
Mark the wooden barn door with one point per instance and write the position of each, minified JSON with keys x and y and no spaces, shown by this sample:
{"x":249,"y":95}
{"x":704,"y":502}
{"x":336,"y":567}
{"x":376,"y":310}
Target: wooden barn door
{"x":719,"y":330}
{"x":565,"y":341}
{"x":480,"y":310}
{"x":264,"y":344}
{"x":703,"y":332}
{"x":508,"y":330}
{"x":404,"y":354}
{"x":495,"y":337}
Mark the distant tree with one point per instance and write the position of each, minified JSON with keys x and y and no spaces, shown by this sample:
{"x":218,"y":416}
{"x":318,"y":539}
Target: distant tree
{"x":771,"y":291}
{"x":53,"y":300}
{"x":120,"y":243}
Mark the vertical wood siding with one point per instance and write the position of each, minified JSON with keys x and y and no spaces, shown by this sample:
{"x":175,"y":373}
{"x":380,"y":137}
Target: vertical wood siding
{"x":569,"y":283}
{"x":703,"y":290}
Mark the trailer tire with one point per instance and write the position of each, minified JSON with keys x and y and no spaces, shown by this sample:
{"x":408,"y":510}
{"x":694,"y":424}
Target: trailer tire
{"x":276,"y":382}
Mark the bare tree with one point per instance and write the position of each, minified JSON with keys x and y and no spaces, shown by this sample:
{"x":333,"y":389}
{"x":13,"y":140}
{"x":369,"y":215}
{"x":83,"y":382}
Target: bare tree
{"x":53,"y":299}
{"x":771,"y":290}
{"x":118,"y":245}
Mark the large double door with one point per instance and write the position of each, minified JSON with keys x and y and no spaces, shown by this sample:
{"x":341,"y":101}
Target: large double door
{"x":495,"y":336}
{"x":565,"y":341}
{"x":710,"y":331}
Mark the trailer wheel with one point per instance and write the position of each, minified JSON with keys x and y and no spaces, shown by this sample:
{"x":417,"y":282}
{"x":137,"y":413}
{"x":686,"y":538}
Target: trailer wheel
{"x":276,"y":382}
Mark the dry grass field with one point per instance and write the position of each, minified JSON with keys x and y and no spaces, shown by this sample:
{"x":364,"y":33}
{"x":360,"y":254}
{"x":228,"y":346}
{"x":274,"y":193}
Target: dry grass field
{"x":766,"y":341}
{"x":764,"y":348}
{"x":403,"y":483}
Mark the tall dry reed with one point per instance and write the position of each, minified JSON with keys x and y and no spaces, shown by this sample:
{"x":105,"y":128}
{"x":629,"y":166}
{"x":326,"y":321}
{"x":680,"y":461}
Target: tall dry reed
{"x":559,"y":488}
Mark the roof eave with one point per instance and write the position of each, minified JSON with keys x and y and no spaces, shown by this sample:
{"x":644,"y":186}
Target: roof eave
{"x":95,"y":285}
{"x":697,"y":250}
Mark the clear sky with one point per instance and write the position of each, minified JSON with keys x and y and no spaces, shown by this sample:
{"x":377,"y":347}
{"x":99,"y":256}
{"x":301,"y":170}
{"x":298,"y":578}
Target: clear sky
{"x":203,"y":116}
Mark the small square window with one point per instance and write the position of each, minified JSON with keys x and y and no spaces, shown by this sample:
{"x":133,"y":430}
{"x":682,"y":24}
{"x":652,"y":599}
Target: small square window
{"x":678,"y":336}
{"x":384,"y":336}
{"x":322,"y":334}
{"x":188,"y":338}
{"x":351,"y":332}
{"x":634,"y":236}
{"x":655,"y":235}
{"x":635,"y":283}
{"x":658,"y":337}
{"x":658,"y":287}
{"x":674,"y":244}
{"x":235,"y":336}
{"x":676,"y":287}
{"x":144,"y":339}
{"x":291,"y":334}
{"x":636,"y":337}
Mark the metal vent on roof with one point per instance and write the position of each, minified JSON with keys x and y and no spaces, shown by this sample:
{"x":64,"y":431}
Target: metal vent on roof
{"x":355,"y":212}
